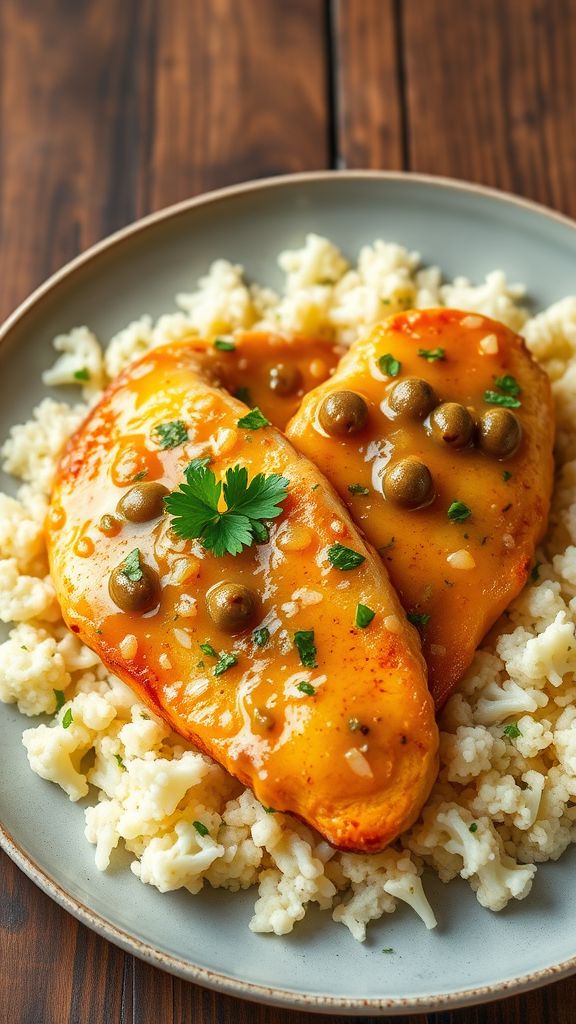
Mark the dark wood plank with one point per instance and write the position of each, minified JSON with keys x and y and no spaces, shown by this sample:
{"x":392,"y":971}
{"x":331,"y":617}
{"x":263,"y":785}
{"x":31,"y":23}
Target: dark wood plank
{"x":491,"y":93}
{"x":107,"y":111}
{"x":367,"y":77}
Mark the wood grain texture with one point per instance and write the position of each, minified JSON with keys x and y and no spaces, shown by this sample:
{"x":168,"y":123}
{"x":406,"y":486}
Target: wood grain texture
{"x":491,"y":93}
{"x":367,"y":73}
{"x":109,"y":110}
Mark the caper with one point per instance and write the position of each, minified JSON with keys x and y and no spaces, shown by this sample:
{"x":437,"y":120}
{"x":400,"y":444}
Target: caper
{"x":232,"y":607}
{"x":499,"y":433}
{"x":143,"y":502}
{"x":409,"y":483}
{"x":284,"y":380}
{"x":452,"y":424}
{"x":109,"y":525}
{"x":412,"y":397}
{"x":264,"y":719}
{"x":134,"y":595}
{"x":343,"y":413}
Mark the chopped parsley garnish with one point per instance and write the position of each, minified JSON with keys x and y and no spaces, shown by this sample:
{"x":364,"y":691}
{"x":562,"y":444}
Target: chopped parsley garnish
{"x":511,"y":731}
{"x":473,"y":827}
{"x":224,"y":344}
{"x":200,"y":828}
{"x":67,"y":719}
{"x":358,"y":489}
{"x":418,"y":618}
{"x":353,"y":724}
{"x":140,"y":476}
{"x":315,"y":487}
{"x":304,"y":644}
{"x":535,"y":574}
{"x":506,"y":475}
{"x":195,"y":513}
{"x":432,"y":355}
{"x":120,"y":762}
{"x":261,"y":636}
{"x":389,"y":949}
{"x":131,"y":567}
{"x":208,"y":650}
{"x":60,"y":699}
{"x":459,"y":512}
{"x":508,"y":401}
{"x":364,"y":615}
{"x":306,"y":688}
{"x":253,"y":420}
{"x":389,"y":365}
{"x":509,"y":385}
{"x":171,"y":434}
{"x":243,"y":395}
{"x":269,"y":810}
{"x":344,"y":558}
{"x":83,"y":374}
{"x":225,"y":662}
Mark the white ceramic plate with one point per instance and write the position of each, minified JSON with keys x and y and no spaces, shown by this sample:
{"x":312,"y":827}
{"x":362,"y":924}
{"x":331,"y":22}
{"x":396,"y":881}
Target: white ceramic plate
{"x":473,"y":955}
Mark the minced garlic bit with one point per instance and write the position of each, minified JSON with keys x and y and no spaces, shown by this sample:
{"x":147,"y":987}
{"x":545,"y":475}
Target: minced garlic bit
{"x":358,"y":763}
{"x":472,"y":321}
{"x":392,"y":624}
{"x":224,"y":441}
{"x":461,"y":559}
{"x":305,"y":596}
{"x":186,"y":606}
{"x":508,"y":541}
{"x":164,"y":661}
{"x":183,"y":638}
{"x":489,"y":345}
{"x":183,"y":569}
{"x":128,"y":647}
{"x":438,"y":650}
{"x":337,"y":527}
{"x":295,"y":538}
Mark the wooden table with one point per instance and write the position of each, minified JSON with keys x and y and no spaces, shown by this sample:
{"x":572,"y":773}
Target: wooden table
{"x":111,"y":109}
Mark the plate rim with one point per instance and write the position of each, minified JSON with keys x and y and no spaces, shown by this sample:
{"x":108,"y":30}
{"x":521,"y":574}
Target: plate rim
{"x":319,"y":1003}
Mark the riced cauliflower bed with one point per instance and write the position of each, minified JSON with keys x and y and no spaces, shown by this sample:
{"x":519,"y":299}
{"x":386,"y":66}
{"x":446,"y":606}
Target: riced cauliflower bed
{"x":505,"y":797}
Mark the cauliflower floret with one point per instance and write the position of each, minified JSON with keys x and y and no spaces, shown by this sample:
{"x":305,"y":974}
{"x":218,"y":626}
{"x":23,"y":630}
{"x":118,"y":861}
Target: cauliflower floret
{"x":497,"y":703}
{"x":80,"y":362}
{"x":22,"y":534}
{"x":318,"y":262}
{"x":484,"y":670}
{"x":25,"y":597}
{"x":31,"y":669}
{"x":565,"y":739}
{"x":377,"y":882}
{"x":77,"y":657}
{"x":466,"y":753}
{"x":129,"y":344}
{"x":33,"y":448}
{"x":549,"y":656}
{"x":499,"y":796}
{"x":222,"y":302}
{"x":495,"y":297}
{"x":181,"y":858}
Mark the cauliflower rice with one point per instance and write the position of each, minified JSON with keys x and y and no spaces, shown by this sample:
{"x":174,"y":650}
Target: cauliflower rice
{"x":504,"y":799}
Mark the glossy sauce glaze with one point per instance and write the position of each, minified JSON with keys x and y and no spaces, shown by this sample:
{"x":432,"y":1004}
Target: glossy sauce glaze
{"x":455,"y":574}
{"x":349,"y":745}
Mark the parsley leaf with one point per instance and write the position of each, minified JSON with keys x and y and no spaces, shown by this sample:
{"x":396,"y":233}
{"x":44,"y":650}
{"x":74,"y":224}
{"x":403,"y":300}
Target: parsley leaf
{"x":344,"y":558}
{"x":508,"y":401}
{"x":131,"y":567}
{"x":243,"y":395}
{"x":389,"y":365}
{"x":67,"y":719}
{"x":304,"y":644}
{"x":120,"y":762}
{"x":535,"y":573}
{"x":253,"y":420}
{"x":508,"y":384}
{"x":389,"y":949}
{"x":364,"y":615}
{"x":200,"y":828}
{"x":306,"y":688}
{"x":511,"y":731}
{"x":261,"y":636}
{"x":432,"y":355}
{"x":208,"y":650}
{"x":171,"y":434}
{"x":140,"y":476}
{"x":506,"y":475}
{"x":195,"y":512}
{"x":60,"y":699}
{"x":224,"y":344}
{"x":459,"y":512}
{"x":269,"y":810}
{"x":358,"y":489}
{"x":418,"y":618}
{"x":473,"y":827}
{"x":83,"y":374}
{"x":225,"y":662}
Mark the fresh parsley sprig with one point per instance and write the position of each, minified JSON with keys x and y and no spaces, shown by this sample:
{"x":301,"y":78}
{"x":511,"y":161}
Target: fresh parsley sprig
{"x":195,"y":513}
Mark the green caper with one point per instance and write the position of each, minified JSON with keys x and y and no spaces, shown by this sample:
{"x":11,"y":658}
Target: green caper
{"x":409,"y":482}
{"x":109,"y":525}
{"x":343,"y":413}
{"x":263,"y":720}
{"x":284,"y":380}
{"x":232,"y":607}
{"x":499,"y":433}
{"x":143,"y":502}
{"x":134,"y":595}
{"x":412,"y":397}
{"x":452,"y":425}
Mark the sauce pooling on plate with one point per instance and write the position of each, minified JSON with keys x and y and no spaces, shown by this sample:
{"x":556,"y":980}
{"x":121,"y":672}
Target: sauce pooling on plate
{"x":267,"y":634}
{"x":445,"y":464}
